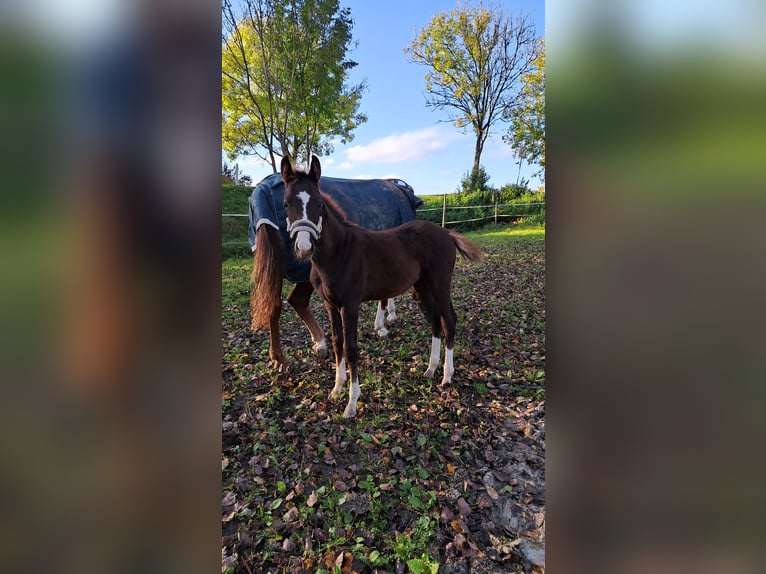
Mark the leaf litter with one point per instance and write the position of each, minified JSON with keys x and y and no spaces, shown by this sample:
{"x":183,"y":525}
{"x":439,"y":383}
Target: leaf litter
{"x":424,"y":477}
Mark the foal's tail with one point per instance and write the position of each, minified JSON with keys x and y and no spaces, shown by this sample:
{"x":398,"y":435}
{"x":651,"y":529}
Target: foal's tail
{"x":466,"y":248}
{"x":268,"y":272}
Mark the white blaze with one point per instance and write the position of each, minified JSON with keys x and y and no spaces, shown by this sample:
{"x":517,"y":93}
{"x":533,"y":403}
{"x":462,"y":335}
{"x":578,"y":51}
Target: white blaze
{"x":305,"y":197}
{"x":303,"y":239}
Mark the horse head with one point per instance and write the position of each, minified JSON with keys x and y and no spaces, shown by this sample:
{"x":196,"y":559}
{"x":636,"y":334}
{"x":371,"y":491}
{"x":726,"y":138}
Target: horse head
{"x":303,"y":204}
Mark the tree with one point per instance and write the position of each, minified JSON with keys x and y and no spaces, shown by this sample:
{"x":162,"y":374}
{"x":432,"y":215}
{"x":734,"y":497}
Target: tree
{"x":284,"y":79}
{"x":526,"y":133}
{"x":476,"y":57}
{"x":475,"y":180}
{"x":231,"y":174}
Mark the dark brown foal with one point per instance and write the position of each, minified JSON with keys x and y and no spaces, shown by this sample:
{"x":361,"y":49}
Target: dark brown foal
{"x":351,"y":264}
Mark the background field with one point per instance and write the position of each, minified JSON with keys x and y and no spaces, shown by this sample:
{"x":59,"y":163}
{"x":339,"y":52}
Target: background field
{"x":423,"y":475}
{"x":467,"y":211}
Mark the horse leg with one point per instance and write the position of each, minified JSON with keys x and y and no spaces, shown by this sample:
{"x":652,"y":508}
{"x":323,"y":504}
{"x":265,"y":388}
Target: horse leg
{"x":299,"y":298}
{"x":275,"y":347}
{"x":391,"y":311}
{"x":351,"y":351}
{"x":423,"y":296}
{"x":449,"y":324}
{"x":336,"y":325}
{"x":380,"y":326}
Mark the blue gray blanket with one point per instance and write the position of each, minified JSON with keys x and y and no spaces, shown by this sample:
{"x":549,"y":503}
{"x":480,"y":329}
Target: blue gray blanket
{"x":372,"y":203}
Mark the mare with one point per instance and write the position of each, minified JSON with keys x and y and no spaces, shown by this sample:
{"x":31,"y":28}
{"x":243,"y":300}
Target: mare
{"x":351,"y":264}
{"x":374,"y":204}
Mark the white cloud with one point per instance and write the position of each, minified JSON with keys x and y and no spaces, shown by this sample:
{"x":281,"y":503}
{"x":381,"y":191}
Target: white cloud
{"x":405,"y":146}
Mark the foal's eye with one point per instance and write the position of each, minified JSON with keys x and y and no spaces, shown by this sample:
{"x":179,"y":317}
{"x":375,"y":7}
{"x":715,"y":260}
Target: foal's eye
{"x":284,"y":205}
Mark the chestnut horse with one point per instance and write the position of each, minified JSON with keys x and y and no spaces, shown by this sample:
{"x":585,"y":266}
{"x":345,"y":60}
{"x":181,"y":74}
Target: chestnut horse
{"x":374,"y":204}
{"x":350,"y":264}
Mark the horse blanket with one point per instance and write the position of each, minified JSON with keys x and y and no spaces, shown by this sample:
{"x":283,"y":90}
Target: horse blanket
{"x":372,"y":203}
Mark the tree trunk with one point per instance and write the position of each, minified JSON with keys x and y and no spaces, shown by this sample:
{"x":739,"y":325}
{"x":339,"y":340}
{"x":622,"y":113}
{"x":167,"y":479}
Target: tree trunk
{"x":477,"y":153}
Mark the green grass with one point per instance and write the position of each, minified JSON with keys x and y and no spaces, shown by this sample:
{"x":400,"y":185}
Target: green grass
{"x":500,"y":234}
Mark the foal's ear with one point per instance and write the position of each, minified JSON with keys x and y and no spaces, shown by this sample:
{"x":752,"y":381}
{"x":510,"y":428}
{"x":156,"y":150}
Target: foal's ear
{"x":287,"y":169}
{"x":315,"y":171}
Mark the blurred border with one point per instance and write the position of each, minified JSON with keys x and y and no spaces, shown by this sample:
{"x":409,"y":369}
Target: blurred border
{"x":655,"y":282}
{"x":111,"y":286}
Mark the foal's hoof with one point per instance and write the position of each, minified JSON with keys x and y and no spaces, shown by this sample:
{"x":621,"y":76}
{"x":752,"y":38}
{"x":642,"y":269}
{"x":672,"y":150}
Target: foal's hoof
{"x":349,"y":413}
{"x":320,"y":349}
{"x":383,"y":332}
{"x":429,"y":374}
{"x":391,"y":319}
{"x":278,"y":365}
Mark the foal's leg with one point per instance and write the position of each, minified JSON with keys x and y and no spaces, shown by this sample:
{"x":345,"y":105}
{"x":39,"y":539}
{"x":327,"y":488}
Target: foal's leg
{"x":391,"y":318}
{"x":380,"y":326}
{"x":337,"y":344}
{"x":422,"y":295}
{"x":299,"y":298}
{"x":350,"y":316}
{"x":449,"y":324}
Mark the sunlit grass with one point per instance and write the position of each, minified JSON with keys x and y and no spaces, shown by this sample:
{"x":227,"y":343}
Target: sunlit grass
{"x":503,"y":233}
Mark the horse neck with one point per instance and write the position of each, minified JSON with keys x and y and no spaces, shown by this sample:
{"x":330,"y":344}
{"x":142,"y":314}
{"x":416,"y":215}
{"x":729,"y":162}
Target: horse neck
{"x":335,"y":233}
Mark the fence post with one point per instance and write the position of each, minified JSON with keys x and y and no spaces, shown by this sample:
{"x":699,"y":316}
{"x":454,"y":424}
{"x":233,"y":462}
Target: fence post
{"x":444,"y":209}
{"x":496,"y":194}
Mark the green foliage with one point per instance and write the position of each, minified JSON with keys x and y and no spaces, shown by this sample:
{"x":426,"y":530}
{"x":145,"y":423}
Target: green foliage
{"x":513,"y":205}
{"x":284,"y":78}
{"x":514,"y":191}
{"x":526,"y":133}
{"x":234,"y":199}
{"x":412,"y":546}
{"x":475,"y":180}
{"x":422,"y":565}
{"x":475,"y":57}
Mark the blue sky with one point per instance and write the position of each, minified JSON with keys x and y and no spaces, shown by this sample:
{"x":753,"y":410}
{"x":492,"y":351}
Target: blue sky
{"x":402,"y":137}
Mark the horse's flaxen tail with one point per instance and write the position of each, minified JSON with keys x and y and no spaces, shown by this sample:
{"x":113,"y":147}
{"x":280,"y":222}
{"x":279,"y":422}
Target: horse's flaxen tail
{"x":466,"y":248}
{"x":266,"y":279}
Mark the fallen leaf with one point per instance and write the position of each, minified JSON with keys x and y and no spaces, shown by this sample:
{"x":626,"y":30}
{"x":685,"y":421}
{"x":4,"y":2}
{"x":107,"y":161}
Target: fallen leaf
{"x":340,"y":486}
{"x":463,"y":507}
{"x":458,"y":526}
{"x":291,"y":515}
{"x":229,"y":499}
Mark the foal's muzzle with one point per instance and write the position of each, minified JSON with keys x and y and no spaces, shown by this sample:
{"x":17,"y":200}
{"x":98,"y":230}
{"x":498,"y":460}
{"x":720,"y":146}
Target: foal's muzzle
{"x":302,"y":232}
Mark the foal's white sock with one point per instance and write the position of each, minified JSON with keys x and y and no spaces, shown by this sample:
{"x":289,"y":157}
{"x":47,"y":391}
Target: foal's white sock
{"x":380,"y":326}
{"x":433,"y":361}
{"x":340,"y":379}
{"x":449,"y":367}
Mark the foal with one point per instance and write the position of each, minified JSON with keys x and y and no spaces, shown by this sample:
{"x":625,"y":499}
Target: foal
{"x":351,"y":264}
